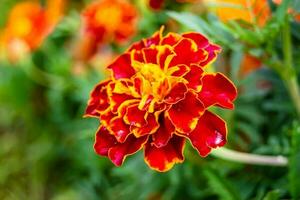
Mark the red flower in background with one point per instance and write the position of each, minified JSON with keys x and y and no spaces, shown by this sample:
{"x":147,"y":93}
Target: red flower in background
{"x":156,"y":4}
{"x":28,"y":25}
{"x":104,"y":22}
{"x":157,"y":97}
{"x":159,"y":4}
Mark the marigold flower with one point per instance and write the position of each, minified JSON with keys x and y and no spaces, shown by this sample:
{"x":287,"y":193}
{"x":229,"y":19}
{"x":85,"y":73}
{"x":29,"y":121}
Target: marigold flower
{"x":110,"y":20}
{"x":105,"y":22}
{"x":28,"y":25}
{"x":157,"y":97}
{"x":251,"y":11}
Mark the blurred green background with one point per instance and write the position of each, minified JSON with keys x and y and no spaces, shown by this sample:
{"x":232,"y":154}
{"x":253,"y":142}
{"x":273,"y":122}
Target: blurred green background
{"x":46,"y":146}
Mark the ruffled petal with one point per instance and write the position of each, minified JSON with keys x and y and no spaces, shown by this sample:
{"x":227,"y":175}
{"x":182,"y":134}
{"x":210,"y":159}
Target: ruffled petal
{"x":199,"y":39}
{"x":162,"y":136}
{"x":150,"y":55}
{"x":134,"y":116}
{"x":194,"y":77}
{"x":120,"y":151}
{"x":179,"y":70}
{"x":187,"y":53}
{"x":170,"y":39}
{"x":185,"y":114}
{"x":210,"y":133}
{"x":155,"y":38}
{"x":98,"y":100}
{"x":116,"y":100}
{"x":149,"y":128}
{"x":121,"y":67}
{"x":106,"y":117}
{"x":119,"y":129}
{"x":212,"y":51}
{"x":219,"y":90}
{"x":103,"y":141}
{"x":163,"y":159}
{"x":165,"y":54}
{"x":157,"y":55}
{"x":176,"y":94}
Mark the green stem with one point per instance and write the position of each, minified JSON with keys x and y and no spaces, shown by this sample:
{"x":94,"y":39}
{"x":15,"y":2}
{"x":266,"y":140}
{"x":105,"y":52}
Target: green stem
{"x":293,"y":87}
{"x":248,"y":158}
{"x":289,"y":74}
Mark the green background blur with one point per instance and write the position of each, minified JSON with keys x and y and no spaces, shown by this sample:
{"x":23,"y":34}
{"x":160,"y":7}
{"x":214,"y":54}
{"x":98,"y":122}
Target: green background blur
{"x":46,"y":147}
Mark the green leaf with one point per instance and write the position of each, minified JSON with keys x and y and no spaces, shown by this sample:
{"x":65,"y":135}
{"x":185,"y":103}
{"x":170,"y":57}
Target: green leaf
{"x":235,"y":63}
{"x":220,"y":185}
{"x":294,"y":162}
{"x":189,"y":20}
{"x":296,"y":5}
{"x":196,"y":23}
{"x":282,"y":11}
{"x":272,"y":195}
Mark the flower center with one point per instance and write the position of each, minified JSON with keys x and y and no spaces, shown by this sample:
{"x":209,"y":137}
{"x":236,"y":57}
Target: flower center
{"x":155,"y":81}
{"x":152,"y":72}
{"x":22,"y":27}
{"x":110,"y":17}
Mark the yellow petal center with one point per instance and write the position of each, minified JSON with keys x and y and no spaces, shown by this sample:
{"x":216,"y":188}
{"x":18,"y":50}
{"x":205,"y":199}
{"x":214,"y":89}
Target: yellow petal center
{"x":155,"y":81}
{"x":21,"y":27}
{"x":110,"y":17}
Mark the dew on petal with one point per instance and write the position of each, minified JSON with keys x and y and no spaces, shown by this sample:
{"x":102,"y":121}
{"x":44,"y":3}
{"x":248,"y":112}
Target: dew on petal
{"x":216,"y":140}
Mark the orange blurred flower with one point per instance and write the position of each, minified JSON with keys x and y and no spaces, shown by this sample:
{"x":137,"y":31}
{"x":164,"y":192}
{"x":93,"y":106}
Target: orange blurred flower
{"x":251,"y":11}
{"x":28,"y":25}
{"x":104,"y":22}
{"x":157,"y":97}
{"x":249,"y":64}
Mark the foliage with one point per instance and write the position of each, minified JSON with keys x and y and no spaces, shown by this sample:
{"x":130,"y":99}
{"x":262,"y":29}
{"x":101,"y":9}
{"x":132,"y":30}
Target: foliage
{"x":46,"y":146}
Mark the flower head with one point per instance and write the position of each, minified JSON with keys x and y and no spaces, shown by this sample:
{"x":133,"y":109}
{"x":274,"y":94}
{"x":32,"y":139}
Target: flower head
{"x":104,"y":22}
{"x":28,"y":25}
{"x":121,"y":24}
{"x":157,"y":97}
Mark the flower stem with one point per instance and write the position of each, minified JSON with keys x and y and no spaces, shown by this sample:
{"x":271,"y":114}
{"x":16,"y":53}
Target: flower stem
{"x":289,"y":73}
{"x":248,"y":158}
{"x":293,"y":87}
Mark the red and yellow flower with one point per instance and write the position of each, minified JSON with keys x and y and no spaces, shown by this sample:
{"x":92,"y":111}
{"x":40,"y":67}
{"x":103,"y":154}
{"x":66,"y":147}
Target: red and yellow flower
{"x":104,"y":22}
{"x":157,"y":97}
{"x":28,"y":25}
